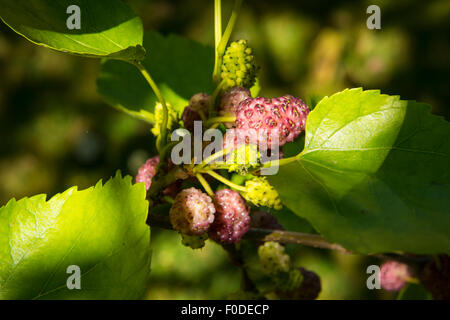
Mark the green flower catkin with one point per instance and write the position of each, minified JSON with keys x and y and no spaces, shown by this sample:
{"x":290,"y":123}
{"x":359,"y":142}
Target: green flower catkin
{"x":243,"y":158}
{"x":171,"y":120}
{"x":273,"y":259}
{"x":238,"y":66}
{"x":261,"y":193}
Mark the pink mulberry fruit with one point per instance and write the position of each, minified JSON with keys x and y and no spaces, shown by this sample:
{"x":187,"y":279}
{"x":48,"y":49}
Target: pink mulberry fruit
{"x":264,"y":120}
{"x":192,"y":213}
{"x":232,"y":218}
{"x":147,"y":171}
{"x":394,"y":275}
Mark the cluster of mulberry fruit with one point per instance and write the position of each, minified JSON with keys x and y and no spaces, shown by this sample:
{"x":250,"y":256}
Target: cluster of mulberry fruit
{"x":225,"y":219}
{"x":252,"y":125}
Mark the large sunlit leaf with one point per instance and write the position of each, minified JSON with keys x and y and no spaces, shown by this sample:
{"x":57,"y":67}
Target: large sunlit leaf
{"x":102,"y":230}
{"x":374,"y":175}
{"x":109,"y":28}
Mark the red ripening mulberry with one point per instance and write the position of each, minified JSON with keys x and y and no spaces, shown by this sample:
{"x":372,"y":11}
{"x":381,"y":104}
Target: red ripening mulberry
{"x":309,"y":289}
{"x":230,"y":102}
{"x":147,"y":171}
{"x":173,"y":189}
{"x":198,"y":103}
{"x":394,"y":275}
{"x":232,"y":217}
{"x":264,"y":220}
{"x":284,"y":117}
{"x":192,"y":212}
{"x":435,"y":277}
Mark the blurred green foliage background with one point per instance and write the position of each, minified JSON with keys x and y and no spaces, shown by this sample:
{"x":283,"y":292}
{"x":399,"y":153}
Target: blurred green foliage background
{"x":56,"y":132}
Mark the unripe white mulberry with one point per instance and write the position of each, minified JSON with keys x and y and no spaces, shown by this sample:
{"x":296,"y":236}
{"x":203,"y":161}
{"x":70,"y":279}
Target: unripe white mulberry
{"x":192,"y":213}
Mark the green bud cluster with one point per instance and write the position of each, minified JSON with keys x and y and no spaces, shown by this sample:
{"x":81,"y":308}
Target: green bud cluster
{"x":171,"y":121}
{"x":261,"y":193}
{"x":243,"y":159}
{"x":239,"y":67}
{"x":290,"y":280}
{"x":273,"y":259}
{"x":276,"y":263}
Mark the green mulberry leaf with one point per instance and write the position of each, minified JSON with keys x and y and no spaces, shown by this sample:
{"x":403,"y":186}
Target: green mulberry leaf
{"x":109,"y":28}
{"x":374,"y":175}
{"x":181,"y":68}
{"x":102,"y":230}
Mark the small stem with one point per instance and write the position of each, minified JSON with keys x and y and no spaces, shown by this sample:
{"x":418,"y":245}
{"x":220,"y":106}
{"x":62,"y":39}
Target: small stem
{"x":205,"y":185}
{"x":412,"y":280}
{"x":168,"y":199}
{"x":212,"y":101}
{"x":158,"y":143}
{"x":210,"y":159}
{"x":161,"y":99}
{"x":214,"y":156}
{"x":230,"y":26}
{"x":280,"y":162}
{"x":235,"y":256}
{"x":312,"y":240}
{"x":217,"y":38}
{"x":219,"y":120}
{"x":202,"y":115}
{"x":226,"y":181}
{"x":401,"y":293}
{"x":165,"y":150}
{"x":165,"y":180}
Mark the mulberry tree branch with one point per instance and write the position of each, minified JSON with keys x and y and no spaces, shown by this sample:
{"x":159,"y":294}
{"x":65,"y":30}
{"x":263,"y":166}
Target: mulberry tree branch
{"x":305,"y":239}
{"x":282,"y":236}
{"x":312,"y":240}
{"x":163,"y":135}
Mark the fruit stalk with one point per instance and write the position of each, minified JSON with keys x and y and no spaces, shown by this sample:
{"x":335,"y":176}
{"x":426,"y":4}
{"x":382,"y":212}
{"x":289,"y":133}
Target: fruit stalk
{"x":230,"y":26}
{"x":154,"y":86}
{"x":217,"y":37}
{"x":221,"y":41}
